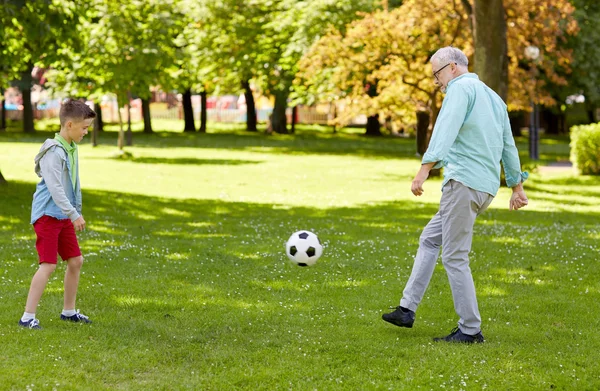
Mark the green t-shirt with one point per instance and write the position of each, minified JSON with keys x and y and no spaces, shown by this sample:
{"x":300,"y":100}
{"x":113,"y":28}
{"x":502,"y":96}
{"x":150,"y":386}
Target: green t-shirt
{"x":71,"y":153}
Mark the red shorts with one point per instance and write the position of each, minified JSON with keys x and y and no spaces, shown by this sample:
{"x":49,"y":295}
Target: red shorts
{"x":55,"y":236}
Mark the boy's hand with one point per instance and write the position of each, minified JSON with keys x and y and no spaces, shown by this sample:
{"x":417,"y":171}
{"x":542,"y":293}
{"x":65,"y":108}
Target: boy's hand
{"x":79,"y":224}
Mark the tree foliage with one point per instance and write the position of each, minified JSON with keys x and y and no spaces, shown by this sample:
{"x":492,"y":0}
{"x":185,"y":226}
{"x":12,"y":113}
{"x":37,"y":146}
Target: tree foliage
{"x":586,"y":52}
{"x":391,"y":50}
{"x":546,"y":24}
{"x":36,"y":33}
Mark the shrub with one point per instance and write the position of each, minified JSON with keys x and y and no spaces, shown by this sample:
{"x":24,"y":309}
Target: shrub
{"x":585,"y":148}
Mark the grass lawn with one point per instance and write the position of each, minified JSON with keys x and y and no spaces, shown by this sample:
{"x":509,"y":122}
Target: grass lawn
{"x":189,"y":287}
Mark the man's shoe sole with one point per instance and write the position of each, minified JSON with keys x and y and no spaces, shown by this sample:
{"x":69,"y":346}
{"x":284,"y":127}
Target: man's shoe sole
{"x":399,"y":324}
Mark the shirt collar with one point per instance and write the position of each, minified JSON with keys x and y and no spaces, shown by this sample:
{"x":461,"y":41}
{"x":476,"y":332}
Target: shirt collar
{"x":467,"y":75}
{"x":68,"y":147}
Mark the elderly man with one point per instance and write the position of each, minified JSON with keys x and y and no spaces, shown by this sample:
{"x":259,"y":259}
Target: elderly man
{"x":471,"y":136}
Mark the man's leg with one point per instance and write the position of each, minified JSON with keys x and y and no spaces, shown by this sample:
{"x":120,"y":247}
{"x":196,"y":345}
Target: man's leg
{"x":459,"y":207}
{"x":427,"y":254}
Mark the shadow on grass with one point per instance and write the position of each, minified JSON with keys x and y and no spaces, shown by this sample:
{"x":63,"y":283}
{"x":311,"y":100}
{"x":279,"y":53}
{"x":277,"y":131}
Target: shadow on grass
{"x":163,"y":259}
{"x":298,"y":144}
{"x":302,"y":143}
{"x":185,"y":161}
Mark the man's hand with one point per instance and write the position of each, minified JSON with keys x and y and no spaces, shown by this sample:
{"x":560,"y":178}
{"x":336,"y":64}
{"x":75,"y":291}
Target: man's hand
{"x":420,"y":178}
{"x":518,"y":198}
{"x":79,"y":224}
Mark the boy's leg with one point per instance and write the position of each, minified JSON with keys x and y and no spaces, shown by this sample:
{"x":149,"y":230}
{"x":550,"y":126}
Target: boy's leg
{"x":38,"y":284}
{"x":68,"y":248}
{"x":72,"y":281}
{"x":47,"y":230}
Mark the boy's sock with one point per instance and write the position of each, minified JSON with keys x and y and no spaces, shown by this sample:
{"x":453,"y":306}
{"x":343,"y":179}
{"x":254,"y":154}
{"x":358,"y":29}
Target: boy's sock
{"x":69,"y":312}
{"x":27,"y":316}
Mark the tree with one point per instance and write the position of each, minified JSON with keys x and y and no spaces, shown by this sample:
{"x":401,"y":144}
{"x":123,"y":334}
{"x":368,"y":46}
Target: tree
{"x":193,"y":68}
{"x":380,"y":66}
{"x":488,"y":25}
{"x":585,"y":77}
{"x":391,"y":51}
{"x":546,"y":24}
{"x":235,"y":30}
{"x":293,"y":27}
{"x":127,"y":45}
{"x":36,"y":36}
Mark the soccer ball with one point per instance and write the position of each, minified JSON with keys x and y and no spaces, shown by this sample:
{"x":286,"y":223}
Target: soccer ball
{"x":303,"y":248}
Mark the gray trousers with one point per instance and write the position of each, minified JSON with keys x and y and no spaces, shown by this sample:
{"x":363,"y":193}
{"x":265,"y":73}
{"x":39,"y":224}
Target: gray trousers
{"x":452,"y":229}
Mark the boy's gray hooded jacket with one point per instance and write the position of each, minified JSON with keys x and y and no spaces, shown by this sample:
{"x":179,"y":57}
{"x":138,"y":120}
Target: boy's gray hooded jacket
{"x":54,"y":195}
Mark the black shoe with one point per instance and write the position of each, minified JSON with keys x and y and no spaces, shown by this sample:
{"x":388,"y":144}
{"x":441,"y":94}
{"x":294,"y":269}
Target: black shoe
{"x":402,"y":317}
{"x":458,"y":336}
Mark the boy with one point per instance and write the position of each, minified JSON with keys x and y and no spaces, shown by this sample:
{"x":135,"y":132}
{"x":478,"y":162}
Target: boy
{"x":56,"y":211}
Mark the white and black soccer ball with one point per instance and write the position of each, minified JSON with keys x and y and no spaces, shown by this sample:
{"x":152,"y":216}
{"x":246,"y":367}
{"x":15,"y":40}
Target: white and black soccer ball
{"x":303,"y":248}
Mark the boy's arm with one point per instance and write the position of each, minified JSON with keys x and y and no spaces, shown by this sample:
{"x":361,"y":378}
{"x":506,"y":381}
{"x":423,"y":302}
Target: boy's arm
{"x":51,"y":168}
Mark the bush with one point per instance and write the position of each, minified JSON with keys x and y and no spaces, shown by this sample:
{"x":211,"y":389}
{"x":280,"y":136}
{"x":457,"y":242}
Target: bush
{"x":585,"y":148}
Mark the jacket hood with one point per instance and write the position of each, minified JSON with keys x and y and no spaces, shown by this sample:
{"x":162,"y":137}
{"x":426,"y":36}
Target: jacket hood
{"x":48,"y":144}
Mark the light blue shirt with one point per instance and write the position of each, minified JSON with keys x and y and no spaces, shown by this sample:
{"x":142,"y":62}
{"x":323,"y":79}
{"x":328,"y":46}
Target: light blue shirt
{"x":472,"y":135}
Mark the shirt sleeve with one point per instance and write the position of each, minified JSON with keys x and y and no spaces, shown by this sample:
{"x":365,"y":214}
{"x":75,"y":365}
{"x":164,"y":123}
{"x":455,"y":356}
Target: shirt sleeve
{"x":510,"y":158}
{"x":449,"y":121}
{"x":51,"y":167}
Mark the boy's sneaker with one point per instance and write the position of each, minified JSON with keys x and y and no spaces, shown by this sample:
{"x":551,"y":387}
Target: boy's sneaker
{"x":76,"y":318}
{"x":30,"y":324}
{"x":401,"y":317}
{"x":458,"y":336}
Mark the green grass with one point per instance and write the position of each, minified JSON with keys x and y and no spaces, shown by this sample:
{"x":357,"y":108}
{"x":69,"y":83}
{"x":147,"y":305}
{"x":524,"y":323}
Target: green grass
{"x":189,"y":288}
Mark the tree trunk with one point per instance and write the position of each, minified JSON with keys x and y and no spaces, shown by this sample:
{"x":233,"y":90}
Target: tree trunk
{"x":423,"y":118}
{"x":96,"y":126}
{"x":251,"y":118}
{"x":188,"y":111}
{"x":551,"y":121}
{"x":517,"y":121}
{"x":2,"y":180}
{"x":146,"y":114}
{"x":491,"y":49}
{"x":99,"y":122}
{"x":3,"y":114}
{"x":203,"y":97}
{"x":590,"y":109}
{"x":332,"y":115}
{"x":129,"y":132}
{"x":121,"y":137}
{"x":373,"y":125}
{"x":25,"y":87}
{"x":279,"y":121}
{"x":294,"y":118}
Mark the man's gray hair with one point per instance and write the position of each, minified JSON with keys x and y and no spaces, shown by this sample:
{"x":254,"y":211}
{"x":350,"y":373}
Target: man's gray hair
{"x":449,"y":55}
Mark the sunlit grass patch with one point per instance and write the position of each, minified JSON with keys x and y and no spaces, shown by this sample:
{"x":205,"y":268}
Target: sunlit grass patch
{"x":188,"y":285}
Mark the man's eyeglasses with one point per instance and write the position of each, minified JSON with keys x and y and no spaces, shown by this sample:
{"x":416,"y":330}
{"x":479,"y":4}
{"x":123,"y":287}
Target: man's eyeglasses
{"x":439,"y":70}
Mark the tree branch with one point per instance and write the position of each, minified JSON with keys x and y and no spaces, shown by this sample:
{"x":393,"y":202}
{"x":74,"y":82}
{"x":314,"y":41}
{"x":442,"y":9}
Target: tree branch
{"x":468,"y":7}
{"x":416,"y":86}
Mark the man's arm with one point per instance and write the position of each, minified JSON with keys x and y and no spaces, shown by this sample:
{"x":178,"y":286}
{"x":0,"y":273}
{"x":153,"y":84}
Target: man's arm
{"x":417,"y":183}
{"x":447,"y":125}
{"x":512,"y":169}
{"x":518,"y":199}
